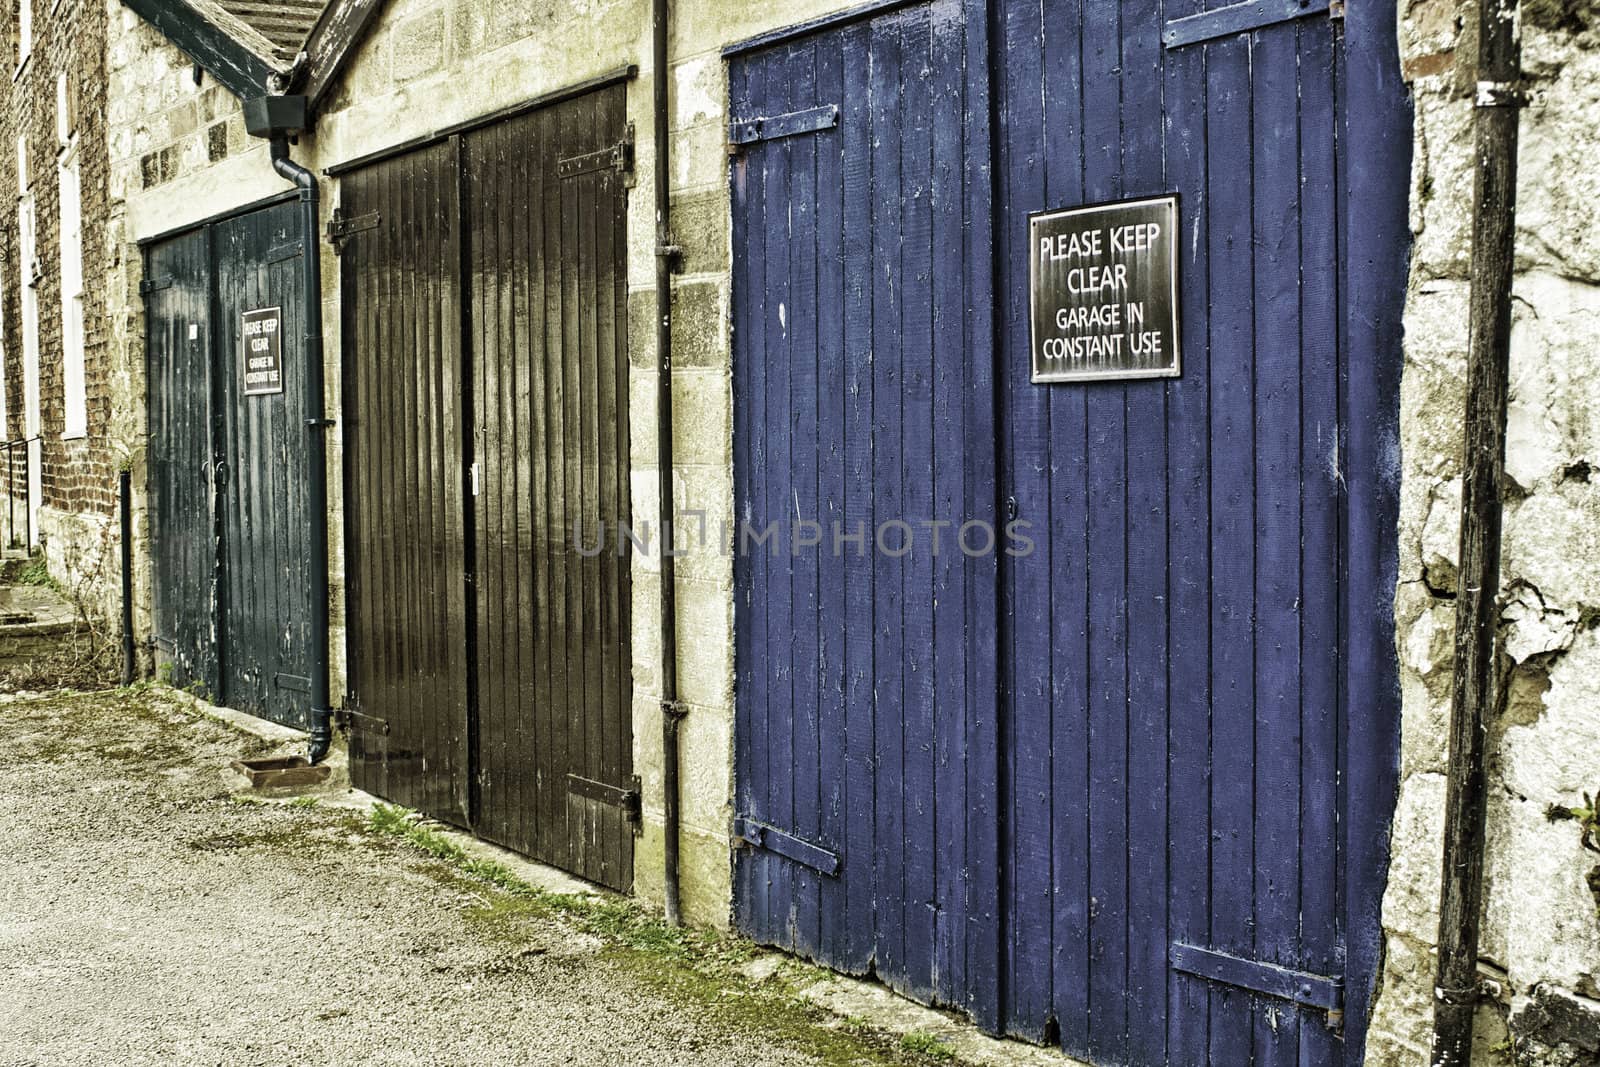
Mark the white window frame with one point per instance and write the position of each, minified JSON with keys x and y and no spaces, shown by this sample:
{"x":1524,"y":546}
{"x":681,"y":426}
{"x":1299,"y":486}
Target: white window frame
{"x":24,"y":31}
{"x":74,"y":387}
{"x":28,"y":267}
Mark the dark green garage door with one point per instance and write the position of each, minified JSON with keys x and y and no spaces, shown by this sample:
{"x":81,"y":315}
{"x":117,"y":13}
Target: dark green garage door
{"x":227,"y":462}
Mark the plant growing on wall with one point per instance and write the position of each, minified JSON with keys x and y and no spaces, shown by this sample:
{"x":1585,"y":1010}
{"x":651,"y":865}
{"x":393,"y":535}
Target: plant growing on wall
{"x":1588,"y":820}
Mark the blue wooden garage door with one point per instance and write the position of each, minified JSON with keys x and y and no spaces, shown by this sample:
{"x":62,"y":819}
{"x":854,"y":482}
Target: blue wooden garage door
{"x":1125,"y":793}
{"x":867,"y":687}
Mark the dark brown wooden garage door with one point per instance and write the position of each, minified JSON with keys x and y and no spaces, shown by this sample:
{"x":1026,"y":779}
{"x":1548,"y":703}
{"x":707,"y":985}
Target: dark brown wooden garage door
{"x":486,"y":424}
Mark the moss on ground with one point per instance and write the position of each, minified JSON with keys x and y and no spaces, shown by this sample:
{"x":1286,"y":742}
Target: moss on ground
{"x":696,"y":967}
{"x":692,"y":966}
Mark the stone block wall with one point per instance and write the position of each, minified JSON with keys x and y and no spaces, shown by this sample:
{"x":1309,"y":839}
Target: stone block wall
{"x":1541,"y":938}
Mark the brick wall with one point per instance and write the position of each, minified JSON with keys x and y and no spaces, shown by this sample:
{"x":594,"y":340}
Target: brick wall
{"x":79,"y":476}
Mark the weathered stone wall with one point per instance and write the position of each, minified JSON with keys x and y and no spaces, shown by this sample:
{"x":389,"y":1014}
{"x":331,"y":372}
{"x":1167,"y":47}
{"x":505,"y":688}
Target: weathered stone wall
{"x":1541,"y":939}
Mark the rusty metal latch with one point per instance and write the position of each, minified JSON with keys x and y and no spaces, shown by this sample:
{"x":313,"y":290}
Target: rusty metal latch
{"x":619,"y":157}
{"x":772,"y":127}
{"x":754,"y":834}
{"x":613,"y":796}
{"x":1318,"y":991}
{"x":352,"y":720}
{"x":342,"y":228}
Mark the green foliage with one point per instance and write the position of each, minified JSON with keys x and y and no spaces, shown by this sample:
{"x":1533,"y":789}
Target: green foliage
{"x":926,"y":1045}
{"x":1588,"y":819}
{"x":34,"y":573}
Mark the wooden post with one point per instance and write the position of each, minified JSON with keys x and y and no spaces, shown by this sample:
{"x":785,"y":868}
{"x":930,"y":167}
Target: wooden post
{"x":1498,"y":100}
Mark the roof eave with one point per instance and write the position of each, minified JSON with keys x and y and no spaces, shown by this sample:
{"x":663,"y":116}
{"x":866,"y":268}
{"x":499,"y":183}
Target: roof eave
{"x":332,"y":43}
{"x":238,"y":57}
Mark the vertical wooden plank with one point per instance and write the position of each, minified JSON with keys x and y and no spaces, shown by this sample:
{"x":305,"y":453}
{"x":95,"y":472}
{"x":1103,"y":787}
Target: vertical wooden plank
{"x":834,"y":811}
{"x":563,"y":755}
{"x":1189,"y":547}
{"x":546,"y":772}
{"x":1149,"y":595}
{"x":570,"y":130}
{"x":607,"y":216}
{"x":747,"y":357}
{"x":1069,"y":546}
{"x":888,"y":360}
{"x":860,"y":113}
{"x":623,"y":559}
{"x":1232,"y":528}
{"x":983,"y":934}
{"x":1274,"y":93}
{"x":589,"y":483}
{"x":781,"y":491}
{"x":1106,"y":494}
{"x":949,"y":442}
{"x":527,"y":753}
{"x":1028,"y":593}
{"x":919,"y":467}
{"x":1321,"y":542}
{"x":804,"y":372}
{"x":756,"y":514}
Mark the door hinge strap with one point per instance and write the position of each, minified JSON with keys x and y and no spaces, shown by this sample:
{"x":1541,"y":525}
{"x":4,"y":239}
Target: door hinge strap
{"x":1312,"y":990}
{"x":289,"y":251}
{"x":341,"y":228}
{"x":292,"y":681}
{"x":605,"y":793}
{"x":154,"y":285}
{"x":771,"y":839}
{"x":353,"y":720}
{"x":619,"y":157}
{"x":812,"y":120}
{"x":1241,"y":18}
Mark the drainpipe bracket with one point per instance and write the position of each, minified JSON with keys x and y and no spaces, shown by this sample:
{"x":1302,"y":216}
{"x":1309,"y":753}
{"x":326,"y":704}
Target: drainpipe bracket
{"x":321,"y":424}
{"x":1461,"y":997}
{"x":676,"y":710}
{"x":1503,"y":94}
{"x":672,"y":252}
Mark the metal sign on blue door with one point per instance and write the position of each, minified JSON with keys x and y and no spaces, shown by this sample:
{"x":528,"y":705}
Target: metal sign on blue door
{"x":1103,"y":291}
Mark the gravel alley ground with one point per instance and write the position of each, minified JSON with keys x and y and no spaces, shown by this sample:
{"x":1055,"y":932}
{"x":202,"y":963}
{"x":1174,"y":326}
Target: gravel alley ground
{"x":149,"y":916}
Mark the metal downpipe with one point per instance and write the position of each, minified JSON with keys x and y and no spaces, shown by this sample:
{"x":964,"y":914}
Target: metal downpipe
{"x":667,"y":255}
{"x":1475,"y":673}
{"x":317,"y":426}
{"x":125,"y":558}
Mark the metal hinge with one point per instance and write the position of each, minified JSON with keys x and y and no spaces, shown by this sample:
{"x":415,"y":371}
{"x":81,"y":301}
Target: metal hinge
{"x":619,"y":157}
{"x":1269,"y":979}
{"x":292,"y":250}
{"x":341,"y":228}
{"x":613,"y":796}
{"x":155,"y":285}
{"x":743,"y":132}
{"x":351,"y":720}
{"x":771,"y":839}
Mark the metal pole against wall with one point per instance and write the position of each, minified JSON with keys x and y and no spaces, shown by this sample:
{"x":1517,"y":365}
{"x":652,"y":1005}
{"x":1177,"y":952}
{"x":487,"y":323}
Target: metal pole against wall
{"x":667,"y":255}
{"x":125,"y":507}
{"x":1474,"y":689}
